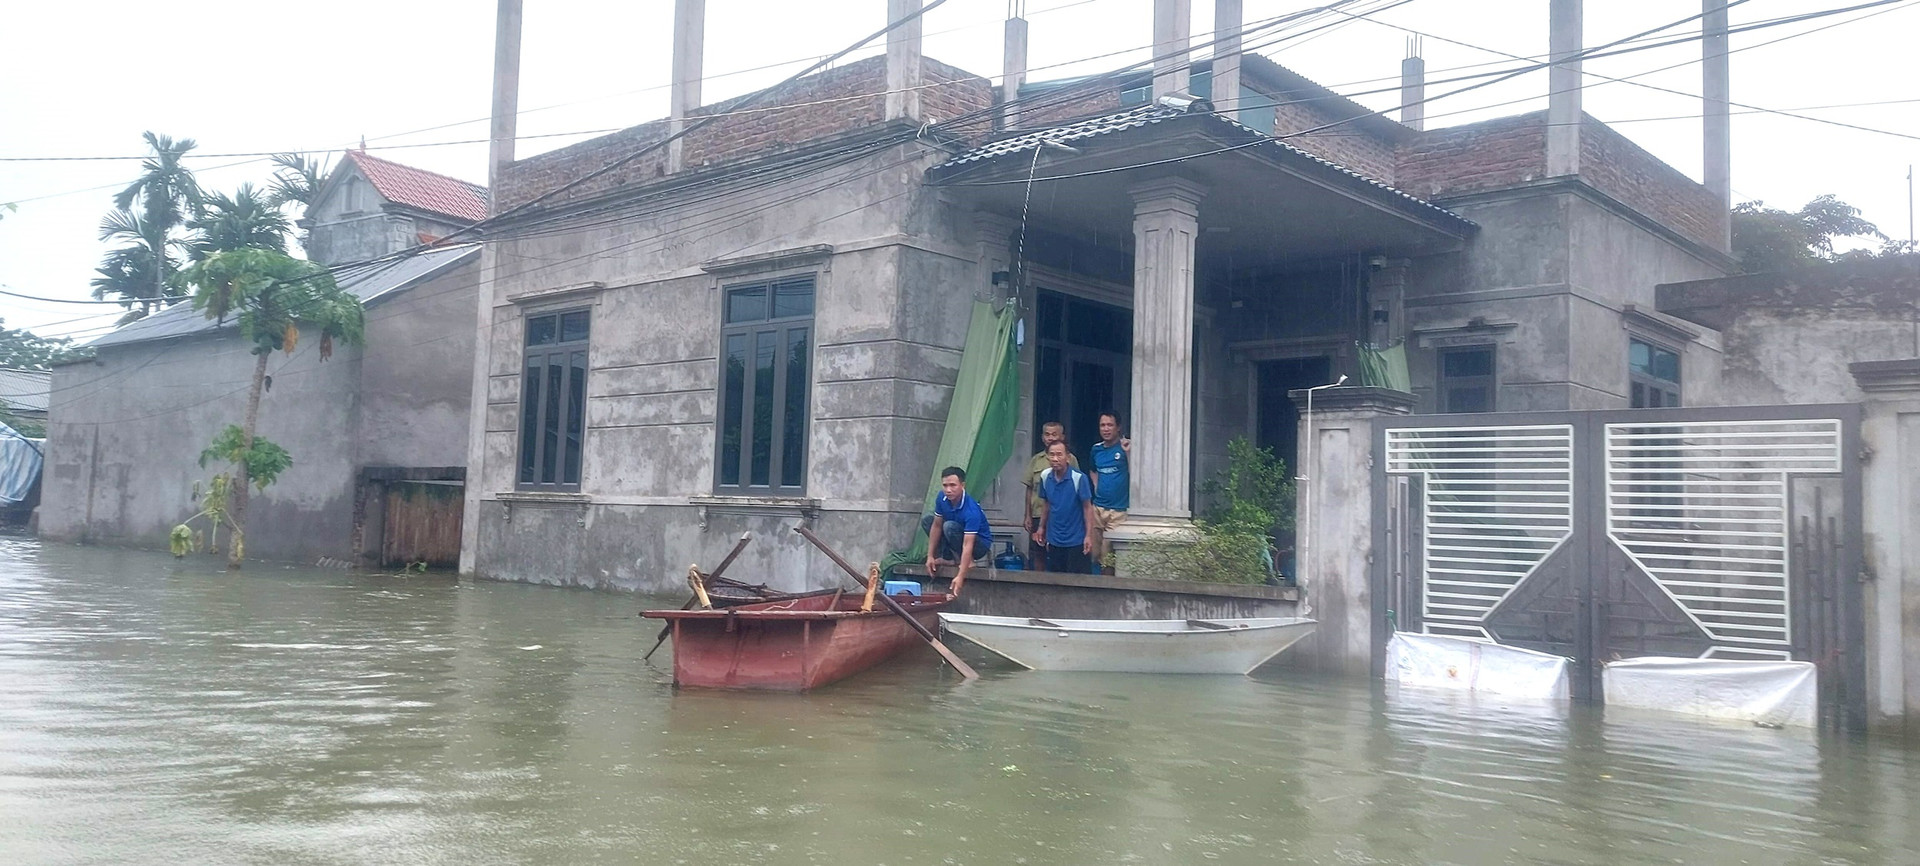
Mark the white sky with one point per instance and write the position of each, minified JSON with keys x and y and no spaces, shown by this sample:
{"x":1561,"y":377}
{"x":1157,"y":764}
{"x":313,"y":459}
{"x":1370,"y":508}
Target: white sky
{"x":241,"y":76}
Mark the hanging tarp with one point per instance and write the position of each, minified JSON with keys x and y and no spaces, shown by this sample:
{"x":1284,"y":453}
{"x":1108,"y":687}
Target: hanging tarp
{"x":981,"y":419}
{"x":20,"y":463}
{"x":1462,"y":664}
{"x":1760,"y":691}
{"x":1385,"y":368}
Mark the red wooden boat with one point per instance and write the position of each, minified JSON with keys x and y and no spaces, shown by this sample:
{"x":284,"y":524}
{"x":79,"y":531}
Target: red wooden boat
{"x":792,"y":645}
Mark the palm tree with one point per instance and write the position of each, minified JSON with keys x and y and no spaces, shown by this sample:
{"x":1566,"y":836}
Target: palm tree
{"x":296,"y":181}
{"x":271,"y":295}
{"x":163,"y":198}
{"x":246,"y":219}
{"x":133,"y":272}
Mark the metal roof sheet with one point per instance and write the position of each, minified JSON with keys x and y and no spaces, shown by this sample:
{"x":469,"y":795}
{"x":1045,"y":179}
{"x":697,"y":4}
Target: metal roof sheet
{"x":1154,"y":115}
{"x":366,"y":282}
{"x":25,"y":390}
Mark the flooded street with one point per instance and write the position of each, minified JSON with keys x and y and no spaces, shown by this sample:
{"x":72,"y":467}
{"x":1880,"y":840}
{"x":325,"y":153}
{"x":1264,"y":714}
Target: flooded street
{"x":160,"y":711}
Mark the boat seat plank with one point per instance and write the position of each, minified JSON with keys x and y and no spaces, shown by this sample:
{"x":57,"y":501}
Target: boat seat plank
{"x":1208,"y":624}
{"x":1045,"y":622}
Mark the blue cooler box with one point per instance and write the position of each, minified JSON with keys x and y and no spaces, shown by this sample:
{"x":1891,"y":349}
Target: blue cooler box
{"x":901,"y":587}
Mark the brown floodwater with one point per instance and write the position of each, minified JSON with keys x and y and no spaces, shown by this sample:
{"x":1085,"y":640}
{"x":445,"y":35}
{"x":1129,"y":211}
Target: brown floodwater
{"x":162,"y":711}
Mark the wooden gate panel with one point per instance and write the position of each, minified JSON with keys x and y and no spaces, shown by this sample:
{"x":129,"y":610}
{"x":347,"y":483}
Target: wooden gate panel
{"x":422,"y":525}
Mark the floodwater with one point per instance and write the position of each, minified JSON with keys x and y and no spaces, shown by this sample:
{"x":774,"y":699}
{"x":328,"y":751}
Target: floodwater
{"x":154,"y":711}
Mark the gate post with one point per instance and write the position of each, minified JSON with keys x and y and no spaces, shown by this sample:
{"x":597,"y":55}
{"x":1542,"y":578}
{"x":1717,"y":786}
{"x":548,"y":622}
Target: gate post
{"x":1890,"y":430}
{"x":1336,"y":523}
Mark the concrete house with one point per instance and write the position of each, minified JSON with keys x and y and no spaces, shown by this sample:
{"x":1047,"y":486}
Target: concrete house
{"x":377,"y":433}
{"x":758,"y":324}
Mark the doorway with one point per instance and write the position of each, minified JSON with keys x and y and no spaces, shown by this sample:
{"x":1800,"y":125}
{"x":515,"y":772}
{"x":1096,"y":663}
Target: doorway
{"x":1083,"y":366}
{"x":1277,"y":426}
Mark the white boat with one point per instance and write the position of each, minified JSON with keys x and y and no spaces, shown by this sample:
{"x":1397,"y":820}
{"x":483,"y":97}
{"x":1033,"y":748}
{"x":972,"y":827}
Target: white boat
{"x":1155,"y":646}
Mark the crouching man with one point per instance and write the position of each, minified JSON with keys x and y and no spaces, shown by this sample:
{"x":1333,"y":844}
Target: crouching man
{"x":957,"y":532}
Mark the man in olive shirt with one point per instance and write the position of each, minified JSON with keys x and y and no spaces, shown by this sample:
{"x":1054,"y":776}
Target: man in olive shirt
{"x":1050,"y":432}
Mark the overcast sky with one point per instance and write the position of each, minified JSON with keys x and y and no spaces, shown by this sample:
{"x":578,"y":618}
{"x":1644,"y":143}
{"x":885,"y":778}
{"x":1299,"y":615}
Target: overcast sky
{"x":412,"y":78}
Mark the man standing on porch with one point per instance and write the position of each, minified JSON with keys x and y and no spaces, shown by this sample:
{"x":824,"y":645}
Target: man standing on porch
{"x":957,"y":531}
{"x":1066,"y":513}
{"x":1110,"y":480}
{"x":1050,"y":432}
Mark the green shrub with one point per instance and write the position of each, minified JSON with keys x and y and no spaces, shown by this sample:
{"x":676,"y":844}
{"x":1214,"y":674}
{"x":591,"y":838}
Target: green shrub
{"x":1248,"y":500}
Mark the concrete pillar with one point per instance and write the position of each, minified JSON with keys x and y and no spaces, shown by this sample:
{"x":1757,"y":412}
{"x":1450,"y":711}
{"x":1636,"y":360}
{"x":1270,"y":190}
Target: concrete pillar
{"x":1890,"y":430}
{"x":1172,"y":35}
{"x":689,"y":49}
{"x":1387,"y":299}
{"x":1166,"y":226}
{"x":1716,"y":125}
{"x":506,"y":94}
{"x":1563,"y":88}
{"x":1413,"y":92}
{"x":1334,"y":523}
{"x":1013,"y":69}
{"x":1226,"y":56}
{"x":903,"y":61}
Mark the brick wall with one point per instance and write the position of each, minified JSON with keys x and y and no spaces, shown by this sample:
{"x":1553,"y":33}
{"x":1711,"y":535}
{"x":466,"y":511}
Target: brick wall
{"x":1346,"y":143}
{"x":1070,"y":103}
{"x":1511,"y":151}
{"x":1457,"y":160}
{"x":817,"y":107}
{"x":1618,"y":167}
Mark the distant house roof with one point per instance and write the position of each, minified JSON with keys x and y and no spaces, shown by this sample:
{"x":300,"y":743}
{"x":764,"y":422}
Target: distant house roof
{"x":25,"y":390}
{"x":369,"y":283}
{"x":422,"y":189}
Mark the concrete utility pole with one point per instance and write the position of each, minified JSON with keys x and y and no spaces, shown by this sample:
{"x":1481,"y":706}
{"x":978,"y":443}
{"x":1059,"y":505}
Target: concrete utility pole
{"x":689,"y":48}
{"x":904,"y":75}
{"x":1413,"y":87}
{"x":1716,"y":125}
{"x":506,"y":95}
{"x":1226,"y":57}
{"x":1172,"y":36}
{"x":1013,"y":69}
{"x":1564,"y":115}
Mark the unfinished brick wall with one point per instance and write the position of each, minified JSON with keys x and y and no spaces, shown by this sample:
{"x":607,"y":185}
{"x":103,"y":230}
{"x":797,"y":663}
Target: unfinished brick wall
{"x":817,"y":107}
{"x":1345,"y":143}
{"x":1067,"y":104}
{"x":1457,"y":160}
{"x":1511,"y":151}
{"x":1624,"y":170}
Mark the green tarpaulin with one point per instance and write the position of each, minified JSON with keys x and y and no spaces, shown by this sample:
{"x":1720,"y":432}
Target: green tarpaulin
{"x":985,"y":409}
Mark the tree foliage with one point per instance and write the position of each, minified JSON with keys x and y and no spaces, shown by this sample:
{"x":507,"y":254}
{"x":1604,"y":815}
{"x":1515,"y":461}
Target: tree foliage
{"x":1770,"y":239}
{"x":265,"y":459}
{"x":271,"y":295}
{"x":147,"y":219}
{"x":25,"y":350}
{"x":246,"y":219}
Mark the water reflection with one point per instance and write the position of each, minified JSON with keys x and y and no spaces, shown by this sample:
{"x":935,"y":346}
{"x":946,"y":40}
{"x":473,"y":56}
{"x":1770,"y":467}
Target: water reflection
{"x":154,"y":711}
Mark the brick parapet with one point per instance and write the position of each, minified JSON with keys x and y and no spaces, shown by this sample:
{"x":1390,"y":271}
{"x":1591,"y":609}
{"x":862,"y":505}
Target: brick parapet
{"x":1614,"y":165}
{"x":821,"y":106}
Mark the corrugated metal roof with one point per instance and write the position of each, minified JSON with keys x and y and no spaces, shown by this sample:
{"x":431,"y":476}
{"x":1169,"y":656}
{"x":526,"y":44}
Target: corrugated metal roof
{"x":25,"y":390}
{"x":426,"y":190}
{"x":1153,"y":115}
{"x":366,"y":282}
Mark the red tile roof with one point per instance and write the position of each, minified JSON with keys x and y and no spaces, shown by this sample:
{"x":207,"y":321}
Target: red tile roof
{"x":418,"y":188}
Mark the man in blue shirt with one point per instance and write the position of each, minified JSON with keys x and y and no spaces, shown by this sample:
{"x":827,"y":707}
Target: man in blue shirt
{"x":1066,"y":513}
{"x":1109,"y":479}
{"x":957,"y":531}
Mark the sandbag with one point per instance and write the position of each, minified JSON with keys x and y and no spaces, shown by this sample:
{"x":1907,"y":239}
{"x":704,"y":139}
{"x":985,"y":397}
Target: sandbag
{"x":1469,"y":665}
{"x":1760,"y":691}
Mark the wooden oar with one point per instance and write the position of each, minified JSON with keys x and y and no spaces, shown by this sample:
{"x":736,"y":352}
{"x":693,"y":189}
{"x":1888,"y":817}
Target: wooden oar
{"x":892,"y":605}
{"x":715,"y":575}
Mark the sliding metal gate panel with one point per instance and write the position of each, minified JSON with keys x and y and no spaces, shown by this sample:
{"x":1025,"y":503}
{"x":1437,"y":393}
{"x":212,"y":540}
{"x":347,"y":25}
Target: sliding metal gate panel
{"x":1722,"y":533}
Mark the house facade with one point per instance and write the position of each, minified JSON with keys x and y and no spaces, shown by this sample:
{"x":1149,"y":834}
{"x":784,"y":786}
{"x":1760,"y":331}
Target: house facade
{"x":377,"y":432}
{"x":760,"y":326}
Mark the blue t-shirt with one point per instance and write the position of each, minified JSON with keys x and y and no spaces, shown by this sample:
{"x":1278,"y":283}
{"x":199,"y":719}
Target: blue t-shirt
{"x":1110,"y":461}
{"x":971,"y":519}
{"x":1066,"y":520}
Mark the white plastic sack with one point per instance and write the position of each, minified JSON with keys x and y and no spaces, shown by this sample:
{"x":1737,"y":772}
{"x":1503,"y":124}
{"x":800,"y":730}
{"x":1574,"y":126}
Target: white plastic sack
{"x":1475,"y":666}
{"x":1767,"y":692}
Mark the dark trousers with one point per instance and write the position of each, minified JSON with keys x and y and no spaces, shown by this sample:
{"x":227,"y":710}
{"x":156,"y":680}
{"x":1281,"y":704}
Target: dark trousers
{"x":952,"y":539}
{"x":1036,"y":553}
{"x":1068,"y":560}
